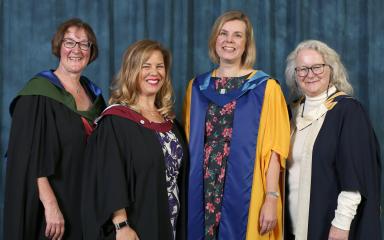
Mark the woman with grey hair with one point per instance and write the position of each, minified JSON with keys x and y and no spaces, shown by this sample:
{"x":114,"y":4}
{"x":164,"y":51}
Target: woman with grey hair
{"x":333,"y":177}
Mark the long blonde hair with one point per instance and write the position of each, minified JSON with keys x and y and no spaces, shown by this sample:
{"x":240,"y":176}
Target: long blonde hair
{"x":125,"y":88}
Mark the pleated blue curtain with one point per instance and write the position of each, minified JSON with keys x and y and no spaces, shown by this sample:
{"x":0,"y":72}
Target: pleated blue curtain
{"x":353,"y":28}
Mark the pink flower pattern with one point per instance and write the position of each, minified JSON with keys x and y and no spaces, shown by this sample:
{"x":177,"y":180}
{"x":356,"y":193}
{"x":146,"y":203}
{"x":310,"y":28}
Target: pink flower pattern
{"x":218,"y":134}
{"x":208,"y":128}
{"x":228,"y":108}
{"x":210,"y":207}
{"x":227,"y":133}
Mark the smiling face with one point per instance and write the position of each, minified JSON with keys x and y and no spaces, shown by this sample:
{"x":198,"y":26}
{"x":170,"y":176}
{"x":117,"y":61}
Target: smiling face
{"x":74,"y":60}
{"x":152,"y":74}
{"x":231,"y":41}
{"x":313,"y":84}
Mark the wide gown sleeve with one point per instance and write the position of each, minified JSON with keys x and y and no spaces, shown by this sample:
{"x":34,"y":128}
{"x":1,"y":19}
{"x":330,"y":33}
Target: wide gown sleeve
{"x":33,"y":152}
{"x":108,"y":183}
{"x":187,"y":109}
{"x":358,"y":167}
{"x":356,"y":163}
{"x":274,"y":132}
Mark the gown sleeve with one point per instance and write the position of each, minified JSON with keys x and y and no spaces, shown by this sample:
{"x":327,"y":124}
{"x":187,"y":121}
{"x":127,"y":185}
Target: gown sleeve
{"x":357,"y":163}
{"x":187,"y":109}
{"x":274,"y":126}
{"x":358,"y":167}
{"x":108,"y":183}
{"x":274,"y":135}
{"x":33,"y":152}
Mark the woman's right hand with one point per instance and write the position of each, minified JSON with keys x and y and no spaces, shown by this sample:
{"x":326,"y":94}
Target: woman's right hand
{"x":126,"y":233}
{"x":55,"y":222}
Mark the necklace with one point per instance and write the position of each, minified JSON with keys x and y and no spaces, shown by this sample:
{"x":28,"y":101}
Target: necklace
{"x":78,"y":90}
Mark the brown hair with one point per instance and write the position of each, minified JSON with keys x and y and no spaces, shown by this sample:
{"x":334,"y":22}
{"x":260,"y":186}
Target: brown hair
{"x":125,"y":88}
{"x":249,"y":56}
{"x":62,"y":29}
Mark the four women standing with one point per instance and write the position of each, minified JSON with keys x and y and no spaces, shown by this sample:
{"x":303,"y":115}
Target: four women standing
{"x":134,"y":175}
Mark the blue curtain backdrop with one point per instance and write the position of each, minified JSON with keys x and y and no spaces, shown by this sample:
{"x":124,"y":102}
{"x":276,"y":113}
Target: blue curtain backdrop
{"x":353,"y":28}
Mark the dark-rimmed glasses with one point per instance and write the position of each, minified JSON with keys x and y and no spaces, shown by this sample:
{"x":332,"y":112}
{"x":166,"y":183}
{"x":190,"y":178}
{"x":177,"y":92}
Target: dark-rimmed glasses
{"x":316,"y":69}
{"x":70,"y":43}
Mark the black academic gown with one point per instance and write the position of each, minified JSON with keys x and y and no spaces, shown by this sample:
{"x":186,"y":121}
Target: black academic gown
{"x":127,"y":170}
{"x":346,"y":157}
{"x":47,"y":139}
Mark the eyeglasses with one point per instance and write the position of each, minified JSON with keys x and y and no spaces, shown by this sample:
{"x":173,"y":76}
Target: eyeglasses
{"x":316,"y":69}
{"x":70,"y":43}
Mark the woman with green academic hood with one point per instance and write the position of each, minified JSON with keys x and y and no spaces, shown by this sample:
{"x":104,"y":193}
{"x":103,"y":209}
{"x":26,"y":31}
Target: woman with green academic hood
{"x":51,"y":119}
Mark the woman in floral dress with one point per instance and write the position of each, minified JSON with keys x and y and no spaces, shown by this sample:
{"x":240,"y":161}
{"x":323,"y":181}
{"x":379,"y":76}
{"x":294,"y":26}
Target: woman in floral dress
{"x":237,"y":125}
{"x":135,"y":186}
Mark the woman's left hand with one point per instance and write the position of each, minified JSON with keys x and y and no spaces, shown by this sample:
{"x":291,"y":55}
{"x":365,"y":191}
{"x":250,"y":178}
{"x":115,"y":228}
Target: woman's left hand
{"x":268,"y":215}
{"x":338,"y":234}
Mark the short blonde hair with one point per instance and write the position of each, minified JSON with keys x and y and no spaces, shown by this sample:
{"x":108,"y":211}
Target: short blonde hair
{"x":249,"y":56}
{"x":125,"y":88}
{"x":339,"y":75}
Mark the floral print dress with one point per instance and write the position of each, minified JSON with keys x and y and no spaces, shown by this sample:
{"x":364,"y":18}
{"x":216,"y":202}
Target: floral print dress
{"x":218,"y":134}
{"x":173,"y":153}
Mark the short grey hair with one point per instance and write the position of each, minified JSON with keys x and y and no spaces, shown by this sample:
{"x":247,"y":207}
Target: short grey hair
{"x":339,"y":75}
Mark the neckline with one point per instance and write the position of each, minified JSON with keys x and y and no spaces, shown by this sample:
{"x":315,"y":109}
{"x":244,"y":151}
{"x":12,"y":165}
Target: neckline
{"x":247,"y":76}
{"x":128,"y":113}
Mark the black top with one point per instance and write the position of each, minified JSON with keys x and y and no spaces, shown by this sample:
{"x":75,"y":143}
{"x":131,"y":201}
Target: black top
{"x":128,"y":171}
{"x":47,"y":140}
{"x":346,"y":157}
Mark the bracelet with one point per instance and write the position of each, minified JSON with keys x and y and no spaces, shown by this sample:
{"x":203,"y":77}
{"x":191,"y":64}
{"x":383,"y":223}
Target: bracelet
{"x":274,"y":194}
{"x":120,"y":225}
